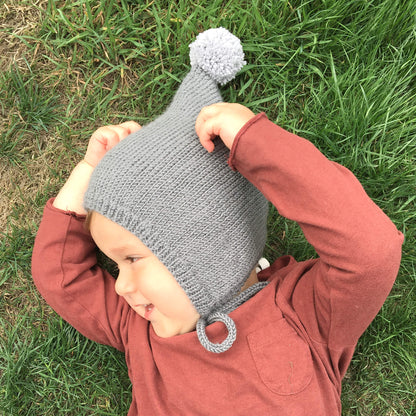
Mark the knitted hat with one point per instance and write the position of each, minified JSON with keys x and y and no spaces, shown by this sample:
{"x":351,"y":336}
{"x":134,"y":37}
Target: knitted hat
{"x":205,"y":222}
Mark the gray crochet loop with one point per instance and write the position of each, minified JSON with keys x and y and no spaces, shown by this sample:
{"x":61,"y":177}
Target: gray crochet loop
{"x":203,"y":338}
{"x":221,"y":316}
{"x":204,"y":222}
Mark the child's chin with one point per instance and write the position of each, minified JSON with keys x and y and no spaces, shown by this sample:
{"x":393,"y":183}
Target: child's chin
{"x":165,"y":331}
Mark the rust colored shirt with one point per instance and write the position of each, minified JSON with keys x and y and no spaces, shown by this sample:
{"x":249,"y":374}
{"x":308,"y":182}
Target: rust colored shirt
{"x":295,"y":338}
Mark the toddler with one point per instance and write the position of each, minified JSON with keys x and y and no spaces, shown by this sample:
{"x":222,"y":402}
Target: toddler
{"x":181,"y":206}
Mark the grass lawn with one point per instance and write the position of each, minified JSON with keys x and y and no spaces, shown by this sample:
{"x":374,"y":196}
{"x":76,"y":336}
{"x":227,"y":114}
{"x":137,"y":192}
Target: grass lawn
{"x":341,"y":73}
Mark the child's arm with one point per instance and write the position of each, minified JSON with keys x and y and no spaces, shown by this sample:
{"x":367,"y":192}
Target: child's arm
{"x":359,"y":247}
{"x":64,"y":264}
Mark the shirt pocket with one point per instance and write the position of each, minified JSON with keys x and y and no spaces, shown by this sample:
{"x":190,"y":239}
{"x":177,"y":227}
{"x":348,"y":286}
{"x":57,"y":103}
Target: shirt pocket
{"x":282,"y":358}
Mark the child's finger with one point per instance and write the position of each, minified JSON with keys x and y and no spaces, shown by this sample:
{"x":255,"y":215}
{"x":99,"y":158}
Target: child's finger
{"x":131,"y":126}
{"x":121,"y":132}
{"x":211,"y":110}
{"x":104,"y":135}
{"x":206,"y":125}
{"x":117,"y":133}
{"x":205,"y":114}
{"x":207,"y":131}
{"x":111,"y":135}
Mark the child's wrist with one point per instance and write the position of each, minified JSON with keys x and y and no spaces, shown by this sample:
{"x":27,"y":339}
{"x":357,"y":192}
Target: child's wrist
{"x":71,"y":196}
{"x":86,"y":165}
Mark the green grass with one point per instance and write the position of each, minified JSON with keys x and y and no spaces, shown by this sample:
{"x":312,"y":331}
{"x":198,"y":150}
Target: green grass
{"x":340,"y":73}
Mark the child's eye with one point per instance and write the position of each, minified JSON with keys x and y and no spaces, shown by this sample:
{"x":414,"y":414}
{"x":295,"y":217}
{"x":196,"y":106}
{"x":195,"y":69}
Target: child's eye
{"x":132,"y":259}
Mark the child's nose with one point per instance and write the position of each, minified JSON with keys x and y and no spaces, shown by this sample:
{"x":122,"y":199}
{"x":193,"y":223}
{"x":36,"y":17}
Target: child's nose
{"x":125,"y":283}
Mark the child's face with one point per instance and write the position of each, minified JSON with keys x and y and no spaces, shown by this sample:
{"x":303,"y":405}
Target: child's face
{"x":143,"y":281}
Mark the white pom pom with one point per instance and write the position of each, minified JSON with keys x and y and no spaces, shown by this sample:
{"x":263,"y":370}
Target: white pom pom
{"x":219,"y":53}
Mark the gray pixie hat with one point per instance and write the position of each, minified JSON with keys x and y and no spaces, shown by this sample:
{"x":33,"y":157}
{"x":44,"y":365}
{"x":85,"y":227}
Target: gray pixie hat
{"x":205,"y":222}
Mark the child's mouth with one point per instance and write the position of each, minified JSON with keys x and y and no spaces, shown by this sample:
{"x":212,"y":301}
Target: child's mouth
{"x":148,"y":310}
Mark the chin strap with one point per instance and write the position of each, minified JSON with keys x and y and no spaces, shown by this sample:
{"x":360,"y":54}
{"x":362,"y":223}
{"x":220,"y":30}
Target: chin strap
{"x":202,"y":335}
{"x":222,"y":316}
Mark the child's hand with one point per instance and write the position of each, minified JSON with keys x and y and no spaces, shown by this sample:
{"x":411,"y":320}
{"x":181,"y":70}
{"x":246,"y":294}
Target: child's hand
{"x":224,"y":120}
{"x":70,"y":197}
{"x":103,"y":139}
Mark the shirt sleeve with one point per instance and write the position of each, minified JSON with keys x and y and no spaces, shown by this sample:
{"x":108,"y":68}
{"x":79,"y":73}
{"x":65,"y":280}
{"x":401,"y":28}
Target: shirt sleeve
{"x":359,"y":247}
{"x":65,"y":271}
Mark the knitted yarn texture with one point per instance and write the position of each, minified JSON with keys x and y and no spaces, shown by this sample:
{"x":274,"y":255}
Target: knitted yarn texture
{"x":205,"y":222}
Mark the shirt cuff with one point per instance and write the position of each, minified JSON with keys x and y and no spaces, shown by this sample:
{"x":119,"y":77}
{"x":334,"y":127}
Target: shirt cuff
{"x":49,"y":206}
{"x":242,"y":131}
